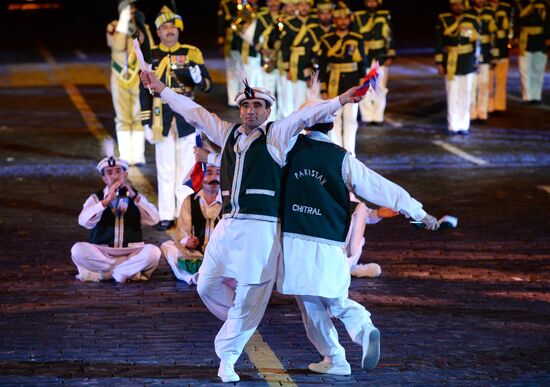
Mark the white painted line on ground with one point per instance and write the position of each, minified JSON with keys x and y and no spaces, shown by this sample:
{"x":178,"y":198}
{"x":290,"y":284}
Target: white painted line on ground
{"x":545,"y":188}
{"x":394,"y":123}
{"x":80,"y":54}
{"x":460,"y":153}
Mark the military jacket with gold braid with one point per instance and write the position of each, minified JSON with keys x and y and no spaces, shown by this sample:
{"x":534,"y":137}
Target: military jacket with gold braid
{"x":375,"y":27}
{"x":297,"y":48}
{"x":503,"y":21}
{"x":487,"y":30}
{"x":532,"y":25}
{"x":171,"y":66}
{"x":455,"y":43}
{"x":341,"y":62}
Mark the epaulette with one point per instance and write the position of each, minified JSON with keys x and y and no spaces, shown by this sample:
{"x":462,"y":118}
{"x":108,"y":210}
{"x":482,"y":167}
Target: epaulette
{"x":328,"y":35}
{"x":383,"y":12}
{"x":362,"y":12}
{"x":194,"y":53}
{"x":356,"y":34}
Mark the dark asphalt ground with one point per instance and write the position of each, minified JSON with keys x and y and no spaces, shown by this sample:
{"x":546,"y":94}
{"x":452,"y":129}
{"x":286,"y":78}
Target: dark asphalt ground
{"x":464,"y":307}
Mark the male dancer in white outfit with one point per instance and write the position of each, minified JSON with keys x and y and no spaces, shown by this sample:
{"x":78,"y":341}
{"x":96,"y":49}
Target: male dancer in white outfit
{"x":319,"y":176}
{"x":115,"y":215}
{"x":245,"y":244}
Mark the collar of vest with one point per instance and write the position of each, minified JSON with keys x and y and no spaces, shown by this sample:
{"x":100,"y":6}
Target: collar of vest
{"x":262,"y":127}
{"x":174,"y":48}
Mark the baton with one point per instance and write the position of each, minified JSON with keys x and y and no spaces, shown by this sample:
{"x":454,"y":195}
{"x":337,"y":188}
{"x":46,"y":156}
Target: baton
{"x":139,"y":55}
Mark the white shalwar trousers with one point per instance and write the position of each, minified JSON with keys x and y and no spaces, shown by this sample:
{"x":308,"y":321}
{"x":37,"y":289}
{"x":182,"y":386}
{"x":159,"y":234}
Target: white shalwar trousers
{"x":316,"y":316}
{"x":497,"y":85}
{"x":479,"y":103}
{"x":531,"y":71}
{"x":130,"y":133}
{"x":345,"y":127}
{"x":459,"y":92}
{"x":372,"y":107}
{"x":232,"y":80}
{"x":100,"y":262}
{"x":241,"y":306}
{"x":175,"y":160}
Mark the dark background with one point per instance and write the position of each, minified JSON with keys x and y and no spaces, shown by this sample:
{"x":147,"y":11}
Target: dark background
{"x":85,"y":20}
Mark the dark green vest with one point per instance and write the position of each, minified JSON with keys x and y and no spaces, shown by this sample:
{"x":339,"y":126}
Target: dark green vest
{"x":315,"y":197}
{"x":250,"y":180}
{"x":198,"y":220}
{"x":104,"y":231}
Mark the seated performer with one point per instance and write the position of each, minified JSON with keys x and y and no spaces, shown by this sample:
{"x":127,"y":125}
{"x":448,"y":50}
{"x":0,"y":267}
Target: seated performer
{"x":115,"y":215}
{"x":199,"y":215}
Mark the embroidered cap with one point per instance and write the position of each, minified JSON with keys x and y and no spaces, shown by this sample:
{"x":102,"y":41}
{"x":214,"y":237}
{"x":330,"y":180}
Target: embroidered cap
{"x":254,"y":93}
{"x":110,"y":160}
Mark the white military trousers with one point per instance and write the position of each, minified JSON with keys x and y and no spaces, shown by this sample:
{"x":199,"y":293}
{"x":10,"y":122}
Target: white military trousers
{"x":175,"y":160}
{"x":130,"y":134}
{"x":531,"y":71}
{"x":479,"y":103}
{"x":345,"y":127}
{"x":498,"y":78}
{"x":459,"y":91}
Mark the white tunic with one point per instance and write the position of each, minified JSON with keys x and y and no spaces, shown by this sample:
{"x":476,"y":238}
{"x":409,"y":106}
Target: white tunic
{"x":317,"y":269}
{"x":247,"y":249}
{"x":93,"y":210}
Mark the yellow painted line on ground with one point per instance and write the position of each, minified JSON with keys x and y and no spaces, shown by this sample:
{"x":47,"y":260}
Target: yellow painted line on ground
{"x":77,"y":99}
{"x":260,"y":354}
{"x":460,"y":153}
{"x":266,"y":362}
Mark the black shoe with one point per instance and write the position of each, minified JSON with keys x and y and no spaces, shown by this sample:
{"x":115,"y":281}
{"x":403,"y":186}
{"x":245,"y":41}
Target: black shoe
{"x":535,"y":102}
{"x":482,"y":121}
{"x":377,"y":123}
{"x":453,"y":132}
{"x":463,"y":132}
{"x":164,"y":225}
{"x":498,"y":113}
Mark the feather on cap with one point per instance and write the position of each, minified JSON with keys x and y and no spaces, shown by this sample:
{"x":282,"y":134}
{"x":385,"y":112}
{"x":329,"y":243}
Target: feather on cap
{"x":110,"y":160}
